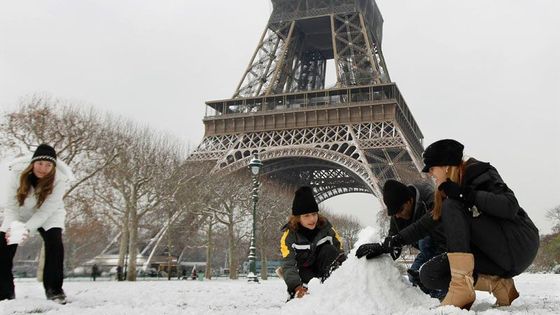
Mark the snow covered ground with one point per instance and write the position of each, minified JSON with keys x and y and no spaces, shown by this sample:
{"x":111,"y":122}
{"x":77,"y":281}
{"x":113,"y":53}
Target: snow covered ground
{"x":358,"y":287}
{"x":540,"y":294}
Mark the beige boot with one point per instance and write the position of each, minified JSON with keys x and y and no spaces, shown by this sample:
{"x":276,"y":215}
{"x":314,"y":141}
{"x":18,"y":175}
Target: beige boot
{"x":502,"y":288}
{"x":461,"y":291}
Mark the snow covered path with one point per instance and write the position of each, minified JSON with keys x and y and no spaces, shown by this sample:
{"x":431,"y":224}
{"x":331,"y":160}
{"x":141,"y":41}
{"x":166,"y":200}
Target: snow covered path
{"x":540,"y":294}
{"x":151,"y":297}
{"x":358,"y":287}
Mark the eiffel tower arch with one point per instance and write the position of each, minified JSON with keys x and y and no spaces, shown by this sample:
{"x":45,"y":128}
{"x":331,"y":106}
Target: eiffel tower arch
{"x":349,"y":137}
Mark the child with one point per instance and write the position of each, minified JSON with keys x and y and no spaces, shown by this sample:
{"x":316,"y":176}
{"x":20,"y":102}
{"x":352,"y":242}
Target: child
{"x":310,"y":246}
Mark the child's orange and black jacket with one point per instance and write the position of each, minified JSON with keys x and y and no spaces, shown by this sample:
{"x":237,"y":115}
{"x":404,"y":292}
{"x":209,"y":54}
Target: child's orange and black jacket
{"x":298,"y":251}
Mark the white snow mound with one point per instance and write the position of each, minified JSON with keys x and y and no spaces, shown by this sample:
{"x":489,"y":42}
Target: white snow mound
{"x":362,"y":286}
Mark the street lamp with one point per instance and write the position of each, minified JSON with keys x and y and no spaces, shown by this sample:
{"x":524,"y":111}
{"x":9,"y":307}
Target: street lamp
{"x":255,"y":167}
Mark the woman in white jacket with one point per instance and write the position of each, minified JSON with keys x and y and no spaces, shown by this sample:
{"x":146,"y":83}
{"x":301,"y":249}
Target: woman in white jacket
{"x":34,"y":200}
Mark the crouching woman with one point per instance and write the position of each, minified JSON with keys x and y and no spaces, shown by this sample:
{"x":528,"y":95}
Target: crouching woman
{"x":310,"y":246}
{"x":490,"y":238}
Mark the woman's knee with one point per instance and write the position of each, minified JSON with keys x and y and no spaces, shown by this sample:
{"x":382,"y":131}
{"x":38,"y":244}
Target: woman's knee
{"x":435,"y":273}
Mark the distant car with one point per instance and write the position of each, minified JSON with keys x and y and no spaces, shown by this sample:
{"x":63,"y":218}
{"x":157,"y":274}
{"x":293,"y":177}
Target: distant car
{"x":150,"y":272}
{"x":78,"y":271}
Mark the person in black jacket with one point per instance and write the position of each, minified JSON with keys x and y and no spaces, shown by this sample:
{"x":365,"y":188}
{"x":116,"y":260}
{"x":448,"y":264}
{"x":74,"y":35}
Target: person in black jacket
{"x":94,"y":272}
{"x":406,"y":205}
{"x":310,"y":246}
{"x":419,"y":228}
{"x":489,"y":237}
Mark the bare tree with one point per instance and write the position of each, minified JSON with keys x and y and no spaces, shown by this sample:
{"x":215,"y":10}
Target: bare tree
{"x":190,"y":200}
{"x":229,"y":203}
{"x":144,"y":162}
{"x":87,"y":238}
{"x":210,"y":222}
{"x":273,"y":211}
{"x":182,"y":204}
{"x":347,"y":227}
{"x":548,"y":255}
{"x":554,"y":215}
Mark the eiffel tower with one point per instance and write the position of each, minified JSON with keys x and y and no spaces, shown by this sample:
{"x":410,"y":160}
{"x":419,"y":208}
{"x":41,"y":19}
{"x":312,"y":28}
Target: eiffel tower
{"x":349,"y":137}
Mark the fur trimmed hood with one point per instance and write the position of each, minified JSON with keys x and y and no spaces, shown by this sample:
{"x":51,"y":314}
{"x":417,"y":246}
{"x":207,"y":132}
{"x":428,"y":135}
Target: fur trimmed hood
{"x":50,"y":214}
{"x":20,"y":163}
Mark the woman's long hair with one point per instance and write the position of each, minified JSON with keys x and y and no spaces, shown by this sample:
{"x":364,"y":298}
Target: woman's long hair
{"x":455,"y":173}
{"x":294,"y":222}
{"x":44,"y":187}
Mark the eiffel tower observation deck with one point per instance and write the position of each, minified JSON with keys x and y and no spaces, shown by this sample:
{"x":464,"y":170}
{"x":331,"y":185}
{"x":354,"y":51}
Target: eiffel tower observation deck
{"x":348,"y":137}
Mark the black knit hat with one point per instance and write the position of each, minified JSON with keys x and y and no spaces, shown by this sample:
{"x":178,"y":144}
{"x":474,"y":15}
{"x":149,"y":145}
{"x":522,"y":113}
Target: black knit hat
{"x":395,"y":194}
{"x":304,"y":202}
{"x":441,"y":153}
{"x":44,"y":152}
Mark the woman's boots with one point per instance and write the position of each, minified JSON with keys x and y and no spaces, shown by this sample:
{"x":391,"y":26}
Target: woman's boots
{"x":502,"y":288}
{"x":461,"y":290}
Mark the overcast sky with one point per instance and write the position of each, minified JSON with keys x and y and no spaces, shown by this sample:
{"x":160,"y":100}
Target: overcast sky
{"x":486,"y":73}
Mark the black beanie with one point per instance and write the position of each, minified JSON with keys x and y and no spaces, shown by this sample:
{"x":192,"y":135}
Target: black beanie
{"x":395,"y":194}
{"x":442,"y":153}
{"x":304,"y":202}
{"x":44,"y":152}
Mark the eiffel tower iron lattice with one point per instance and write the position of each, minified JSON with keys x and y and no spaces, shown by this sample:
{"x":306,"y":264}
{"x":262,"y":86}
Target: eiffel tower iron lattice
{"x":350,"y":137}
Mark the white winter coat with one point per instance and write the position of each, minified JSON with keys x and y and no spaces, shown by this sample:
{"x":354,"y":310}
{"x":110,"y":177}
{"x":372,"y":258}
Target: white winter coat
{"x":51,"y":213}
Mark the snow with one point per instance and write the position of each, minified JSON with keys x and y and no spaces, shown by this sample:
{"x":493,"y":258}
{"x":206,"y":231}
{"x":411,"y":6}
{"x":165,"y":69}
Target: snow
{"x":359,"y":286}
{"x":363,"y":286}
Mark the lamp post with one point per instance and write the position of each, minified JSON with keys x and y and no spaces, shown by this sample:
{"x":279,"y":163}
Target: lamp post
{"x":255,"y":167}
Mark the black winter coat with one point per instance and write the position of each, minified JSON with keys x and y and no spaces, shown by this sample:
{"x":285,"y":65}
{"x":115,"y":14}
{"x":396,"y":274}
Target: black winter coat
{"x":494,"y":199}
{"x":299,"y":251}
{"x":423,"y":195}
{"x":421,"y":224}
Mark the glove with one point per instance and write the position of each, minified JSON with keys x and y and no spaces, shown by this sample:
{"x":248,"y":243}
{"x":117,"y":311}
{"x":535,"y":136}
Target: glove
{"x":454,"y":191}
{"x":393,"y":245}
{"x":301,"y":290}
{"x":22,"y":237}
{"x":370,"y":250}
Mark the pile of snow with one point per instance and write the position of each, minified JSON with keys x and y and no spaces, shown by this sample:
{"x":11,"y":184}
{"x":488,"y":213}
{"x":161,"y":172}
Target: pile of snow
{"x":362,"y":286}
